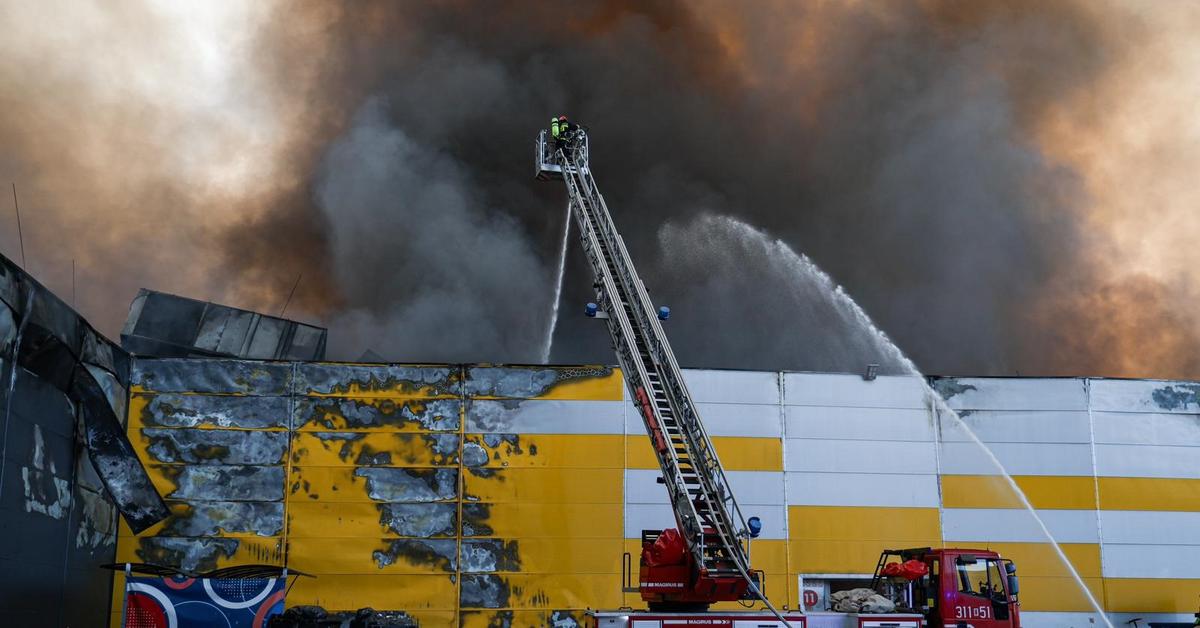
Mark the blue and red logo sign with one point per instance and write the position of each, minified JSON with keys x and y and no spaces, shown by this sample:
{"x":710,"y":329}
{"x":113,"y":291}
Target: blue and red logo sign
{"x":195,"y":602}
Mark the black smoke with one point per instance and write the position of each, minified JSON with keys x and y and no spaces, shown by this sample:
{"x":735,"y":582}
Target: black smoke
{"x":898,"y":145}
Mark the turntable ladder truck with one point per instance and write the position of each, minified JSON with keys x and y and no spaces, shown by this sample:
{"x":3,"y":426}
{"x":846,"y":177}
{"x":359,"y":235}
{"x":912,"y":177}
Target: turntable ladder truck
{"x":706,"y":558}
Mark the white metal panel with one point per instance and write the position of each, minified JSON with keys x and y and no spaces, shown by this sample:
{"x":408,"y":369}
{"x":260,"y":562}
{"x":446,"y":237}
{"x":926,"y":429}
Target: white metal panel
{"x":750,"y":487}
{"x":1017,"y":458}
{"x":1126,"y":428}
{"x":1020,"y":426}
{"x":1147,"y":461}
{"x":723,"y":419}
{"x":858,"y":456}
{"x":640,"y":517}
{"x":1150,"y":561}
{"x":1005,"y":393}
{"x":714,"y":386}
{"x":899,"y":424}
{"x":1047,"y":619}
{"x":999,"y":525}
{"x":545,"y":416}
{"x":862,"y":489}
{"x":1145,"y":395}
{"x":852,"y":391}
{"x":1150,"y":528}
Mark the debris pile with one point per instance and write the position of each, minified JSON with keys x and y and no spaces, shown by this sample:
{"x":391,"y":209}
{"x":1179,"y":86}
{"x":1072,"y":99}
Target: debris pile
{"x":317,"y":617}
{"x":860,"y":601}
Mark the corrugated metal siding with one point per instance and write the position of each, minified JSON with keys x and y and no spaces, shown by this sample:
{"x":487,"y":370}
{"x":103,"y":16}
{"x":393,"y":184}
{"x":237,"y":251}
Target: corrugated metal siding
{"x":473,"y":495}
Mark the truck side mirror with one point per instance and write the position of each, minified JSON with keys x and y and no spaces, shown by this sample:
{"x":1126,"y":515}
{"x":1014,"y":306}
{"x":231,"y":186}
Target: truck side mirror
{"x":1010,"y":567}
{"x":1013,"y":587}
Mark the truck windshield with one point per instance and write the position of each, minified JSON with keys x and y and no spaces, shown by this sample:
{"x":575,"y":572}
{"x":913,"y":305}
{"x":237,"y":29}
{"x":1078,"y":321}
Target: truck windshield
{"x":981,"y":578}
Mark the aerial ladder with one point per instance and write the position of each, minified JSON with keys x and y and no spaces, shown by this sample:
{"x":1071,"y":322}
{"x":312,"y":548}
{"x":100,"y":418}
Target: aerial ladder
{"x":706,"y":559}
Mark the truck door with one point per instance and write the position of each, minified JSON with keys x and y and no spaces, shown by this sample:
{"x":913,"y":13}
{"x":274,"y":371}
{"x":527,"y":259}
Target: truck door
{"x":977,"y":597}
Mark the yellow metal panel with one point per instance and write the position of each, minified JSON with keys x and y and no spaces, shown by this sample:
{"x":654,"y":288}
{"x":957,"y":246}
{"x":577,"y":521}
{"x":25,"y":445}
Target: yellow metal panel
{"x":118,"y":597}
{"x":609,"y":387}
{"x":349,"y":484}
{"x":323,"y":519}
{"x":163,"y":476}
{"x":1040,"y":559}
{"x":435,"y":618}
{"x":831,"y":556}
{"x":853,"y":523}
{"x":393,"y":449}
{"x":408,"y":592}
{"x":178,"y":509}
{"x":534,"y":485}
{"x":579,"y":556}
{"x":139,"y":401}
{"x":1058,"y":594}
{"x":367,"y":383}
{"x":530,"y":520}
{"x":1157,"y":595}
{"x":1170,"y":494}
{"x":1044,"y":492}
{"x":560,"y":590}
{"x":133,"y":414}
{"x":598,"y":451}
{"x":737,"y":453}
{"x":328,"y":414}
{"x":372,"y":556}
{"x":251,"y":551}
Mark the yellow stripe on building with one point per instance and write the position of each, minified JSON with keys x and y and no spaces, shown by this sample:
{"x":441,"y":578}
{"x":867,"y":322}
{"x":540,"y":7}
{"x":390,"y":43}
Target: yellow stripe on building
{"x":396,"y":449}
{"x":1161,"y":494}
{"x":382,"y":556}
{"x":316,"y":519}
{"x":609,"y":387}
{"x":737,"y":453}
{"x":1044,"y":492}
{"x":529,"y":520}
{"x":1153,"y":595}
{"x":352,"y":591}
{"x":1046,"y":583}
{"x":848,"y":539}
{"x":539,"y":485}
{"x":600,"y":451}
{"x":245,"y":551}
{"x":559,"y":590}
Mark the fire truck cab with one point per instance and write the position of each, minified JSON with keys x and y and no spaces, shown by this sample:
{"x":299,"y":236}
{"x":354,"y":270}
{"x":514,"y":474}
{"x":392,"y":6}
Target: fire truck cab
{"x":961,"y":588}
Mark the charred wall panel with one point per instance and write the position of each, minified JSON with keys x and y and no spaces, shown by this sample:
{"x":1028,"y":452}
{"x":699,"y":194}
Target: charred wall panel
{"x":62,"y":396}
{"x":399,"y":486}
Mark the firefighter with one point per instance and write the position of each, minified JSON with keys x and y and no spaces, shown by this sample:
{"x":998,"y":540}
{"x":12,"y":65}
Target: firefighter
{"x":562,"y":140}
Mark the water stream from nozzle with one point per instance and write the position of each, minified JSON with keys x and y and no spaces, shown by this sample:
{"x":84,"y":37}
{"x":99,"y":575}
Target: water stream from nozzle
{"x":558,"y":286}
{"x":804,"y":266}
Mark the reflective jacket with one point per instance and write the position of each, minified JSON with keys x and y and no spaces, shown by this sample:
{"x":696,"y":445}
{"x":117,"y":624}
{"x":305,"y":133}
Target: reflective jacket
{"x":554,"y":128}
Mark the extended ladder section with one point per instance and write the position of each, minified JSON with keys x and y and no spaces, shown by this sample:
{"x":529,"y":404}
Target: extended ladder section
{"x":705,"y":509}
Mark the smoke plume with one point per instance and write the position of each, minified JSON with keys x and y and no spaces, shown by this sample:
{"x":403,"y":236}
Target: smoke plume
{"x":1005,"y":187}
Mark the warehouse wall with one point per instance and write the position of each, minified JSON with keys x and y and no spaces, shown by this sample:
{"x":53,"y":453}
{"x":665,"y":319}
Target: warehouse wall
{"x":57,"y":520}
{"x":488,"y":495}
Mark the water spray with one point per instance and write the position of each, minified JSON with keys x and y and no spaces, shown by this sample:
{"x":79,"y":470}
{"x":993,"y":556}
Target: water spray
{"x":562,"y":266}
{"x":854,"y":313}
